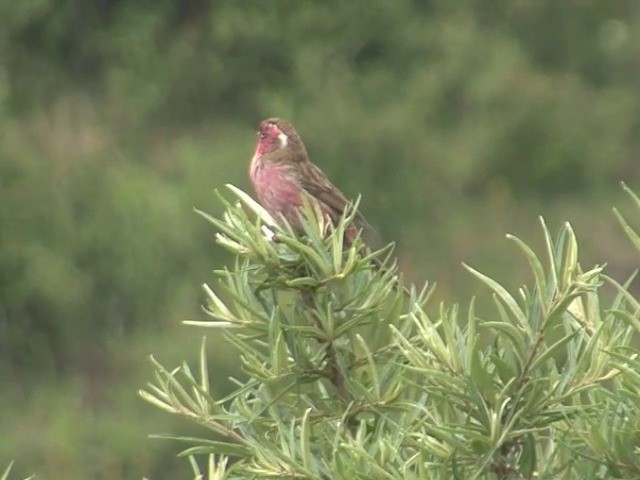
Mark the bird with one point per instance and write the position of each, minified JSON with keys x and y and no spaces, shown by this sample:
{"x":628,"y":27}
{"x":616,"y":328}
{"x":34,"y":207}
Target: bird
{"x":283,"y":175}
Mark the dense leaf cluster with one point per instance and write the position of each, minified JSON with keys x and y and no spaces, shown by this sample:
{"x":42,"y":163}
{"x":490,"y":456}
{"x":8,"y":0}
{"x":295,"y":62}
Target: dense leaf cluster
{"x":348,"y":377}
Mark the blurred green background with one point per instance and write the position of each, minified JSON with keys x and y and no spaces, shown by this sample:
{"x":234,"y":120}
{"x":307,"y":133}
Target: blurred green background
{"x":457,"y":121}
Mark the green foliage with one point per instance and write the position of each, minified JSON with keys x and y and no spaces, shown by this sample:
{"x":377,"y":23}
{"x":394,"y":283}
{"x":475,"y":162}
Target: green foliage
{"x":349,"y":378}
{"x":67,"y":281}
{"x":629,"y":230}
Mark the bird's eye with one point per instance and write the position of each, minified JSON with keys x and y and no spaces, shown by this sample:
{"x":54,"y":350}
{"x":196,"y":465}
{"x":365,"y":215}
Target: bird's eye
{"x":262,"y":135}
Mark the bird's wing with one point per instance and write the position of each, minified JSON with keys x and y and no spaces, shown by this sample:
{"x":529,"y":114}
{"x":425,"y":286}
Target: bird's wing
{"x":318,"y":186}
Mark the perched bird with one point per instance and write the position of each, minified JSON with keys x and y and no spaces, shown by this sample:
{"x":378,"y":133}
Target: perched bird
{"x":282,"y":173}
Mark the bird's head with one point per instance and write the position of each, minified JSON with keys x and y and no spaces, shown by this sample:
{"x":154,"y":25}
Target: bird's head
{"x":278,"y":141}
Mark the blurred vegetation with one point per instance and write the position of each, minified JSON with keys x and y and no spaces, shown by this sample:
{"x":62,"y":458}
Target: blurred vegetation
{"x":457,"y":123}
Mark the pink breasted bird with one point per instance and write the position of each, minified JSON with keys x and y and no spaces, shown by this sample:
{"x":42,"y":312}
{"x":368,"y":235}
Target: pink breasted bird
{"x":281,"y":172}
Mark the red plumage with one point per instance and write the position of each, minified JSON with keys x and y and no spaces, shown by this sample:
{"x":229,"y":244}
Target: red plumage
{"x":281,"y":172}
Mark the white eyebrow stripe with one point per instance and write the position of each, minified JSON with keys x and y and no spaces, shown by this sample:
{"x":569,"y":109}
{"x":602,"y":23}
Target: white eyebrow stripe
{"x":284,"y":139}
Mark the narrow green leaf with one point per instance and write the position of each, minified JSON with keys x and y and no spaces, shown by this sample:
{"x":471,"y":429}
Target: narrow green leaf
{"x":512,"y":332}
{"x":502,"y":293}
{"x":156,"y":401}
{"x":552,"y":351}
{"x":258,"y":209}
{"x":534,"y":263}
{"x":305,"y":440}
{"x":221,"y":311}
{"x":5,"y":475}
{"x":221,"y":448}
{"x":373,"y":369}
{"x":550,"y":253}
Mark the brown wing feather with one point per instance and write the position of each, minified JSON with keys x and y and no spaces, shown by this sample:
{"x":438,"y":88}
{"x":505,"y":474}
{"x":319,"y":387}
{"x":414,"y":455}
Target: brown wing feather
{"x":319,"y":187}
